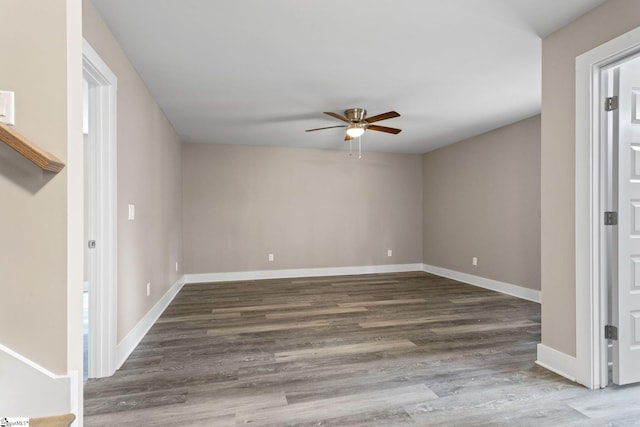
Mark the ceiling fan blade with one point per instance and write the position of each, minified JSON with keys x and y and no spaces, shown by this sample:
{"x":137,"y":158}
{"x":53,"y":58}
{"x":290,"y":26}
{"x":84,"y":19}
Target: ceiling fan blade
{"x":348,"y":137}
{"x":383,"y":116}
{"x":384,"y":129}
{"x":337,"y":116}
{"x":328,"y":127}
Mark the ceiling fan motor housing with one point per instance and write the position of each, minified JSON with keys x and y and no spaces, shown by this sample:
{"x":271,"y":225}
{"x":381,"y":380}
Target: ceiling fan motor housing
{"x":355,"y":115}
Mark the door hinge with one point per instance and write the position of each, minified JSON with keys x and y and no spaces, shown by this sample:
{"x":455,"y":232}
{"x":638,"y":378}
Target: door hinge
{"x":92,"y":244}
{"x":611,"y":103}
{"x":611,"y":218}
{"x":610,"y":332}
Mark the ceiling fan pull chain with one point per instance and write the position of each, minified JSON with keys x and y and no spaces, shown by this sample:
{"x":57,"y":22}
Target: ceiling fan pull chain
{"x":351,"y":147}
{"x":360,"y":147}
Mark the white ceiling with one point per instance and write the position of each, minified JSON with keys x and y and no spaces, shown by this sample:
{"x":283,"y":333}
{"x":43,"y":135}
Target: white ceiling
{"x":260,"y":72}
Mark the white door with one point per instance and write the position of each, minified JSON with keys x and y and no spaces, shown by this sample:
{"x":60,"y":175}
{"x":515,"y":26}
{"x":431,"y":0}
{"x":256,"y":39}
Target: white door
{"x":626,"y":295}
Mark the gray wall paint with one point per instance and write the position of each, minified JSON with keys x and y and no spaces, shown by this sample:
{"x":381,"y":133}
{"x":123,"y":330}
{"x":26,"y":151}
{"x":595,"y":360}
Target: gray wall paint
{"x":149,"y":176}
{"x":482,"y":199}
{"x":310,"y":208}
{"x":33,"y":217}
{"x":559,"y":51}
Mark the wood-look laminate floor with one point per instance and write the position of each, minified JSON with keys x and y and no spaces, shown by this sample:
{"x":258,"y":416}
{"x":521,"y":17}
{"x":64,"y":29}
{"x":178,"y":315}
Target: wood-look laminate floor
{"x":377,"y":350}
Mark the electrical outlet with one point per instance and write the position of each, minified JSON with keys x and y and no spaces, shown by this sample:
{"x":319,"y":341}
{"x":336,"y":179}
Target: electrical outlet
{"x":132,"y":212}
{"x":148,"y":288}
{"x":177,"y":268}
{"x":389,"y":252}
{"x":271,"y":258}
{"x":474,"y":260}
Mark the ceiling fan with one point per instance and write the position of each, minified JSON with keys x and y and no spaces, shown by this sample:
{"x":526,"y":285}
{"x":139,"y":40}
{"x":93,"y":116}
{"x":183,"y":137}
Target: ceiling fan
{"x":358,"y":122}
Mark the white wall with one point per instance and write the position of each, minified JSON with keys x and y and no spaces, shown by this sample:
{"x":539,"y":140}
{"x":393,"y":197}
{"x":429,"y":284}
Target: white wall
{"x":482,"y":199}
{"x":149,"y":177}
{"x":559,"y":52}
{"x":310,"y":208}
{"x":41,"y":270}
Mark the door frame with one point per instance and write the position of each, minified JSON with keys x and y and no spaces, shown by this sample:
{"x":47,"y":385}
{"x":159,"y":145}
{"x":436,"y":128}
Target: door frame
{"x":102,"y":136}
{"x":590,"y":240}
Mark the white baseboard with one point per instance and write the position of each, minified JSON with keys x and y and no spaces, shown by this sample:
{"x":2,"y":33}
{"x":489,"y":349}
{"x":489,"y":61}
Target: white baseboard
{"x":301,"y":272}
{"x":30,"y":390}
{"x":556,"y":361}
{"x":483,"y":282}
{"x":75,"y":404}
{"x":133,"y":338}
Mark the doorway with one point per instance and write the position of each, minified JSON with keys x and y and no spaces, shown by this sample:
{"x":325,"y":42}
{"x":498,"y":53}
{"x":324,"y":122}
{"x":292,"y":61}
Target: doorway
{"x":600,"y":188}
{"x":100,"y":214}
{"x":620,"y":125}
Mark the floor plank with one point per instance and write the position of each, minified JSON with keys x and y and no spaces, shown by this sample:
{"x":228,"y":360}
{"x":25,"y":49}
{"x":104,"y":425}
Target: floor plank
{"x":316,"y":312}
{"x":367,"y":347}
{"x":321,"y":409}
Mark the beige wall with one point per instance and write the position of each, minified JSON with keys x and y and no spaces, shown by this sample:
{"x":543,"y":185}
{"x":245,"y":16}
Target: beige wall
{"x":482,"y":199}
{"x":559,"y":51}
{"x":149,"y":177}
{"x":310,"y":208}
{"x":33,"y":217}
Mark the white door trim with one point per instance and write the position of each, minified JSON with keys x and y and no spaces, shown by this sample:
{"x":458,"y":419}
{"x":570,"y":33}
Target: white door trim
{"x":590,"y":285}
{"x":103,"y":290}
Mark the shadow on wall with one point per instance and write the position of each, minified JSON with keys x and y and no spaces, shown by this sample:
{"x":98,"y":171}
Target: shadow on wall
{"x":21,"y":171}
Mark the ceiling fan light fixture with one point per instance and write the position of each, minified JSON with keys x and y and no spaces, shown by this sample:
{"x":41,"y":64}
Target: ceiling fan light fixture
{"x":355,"y":130}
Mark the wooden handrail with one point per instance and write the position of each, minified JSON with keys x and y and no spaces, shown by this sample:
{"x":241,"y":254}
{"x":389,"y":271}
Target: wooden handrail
{"x":37,"y":155}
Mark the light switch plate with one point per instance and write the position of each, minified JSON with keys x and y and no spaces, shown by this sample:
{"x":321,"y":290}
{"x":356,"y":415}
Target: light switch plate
{"x":132,"y":212}
{"x":7,"y":108}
